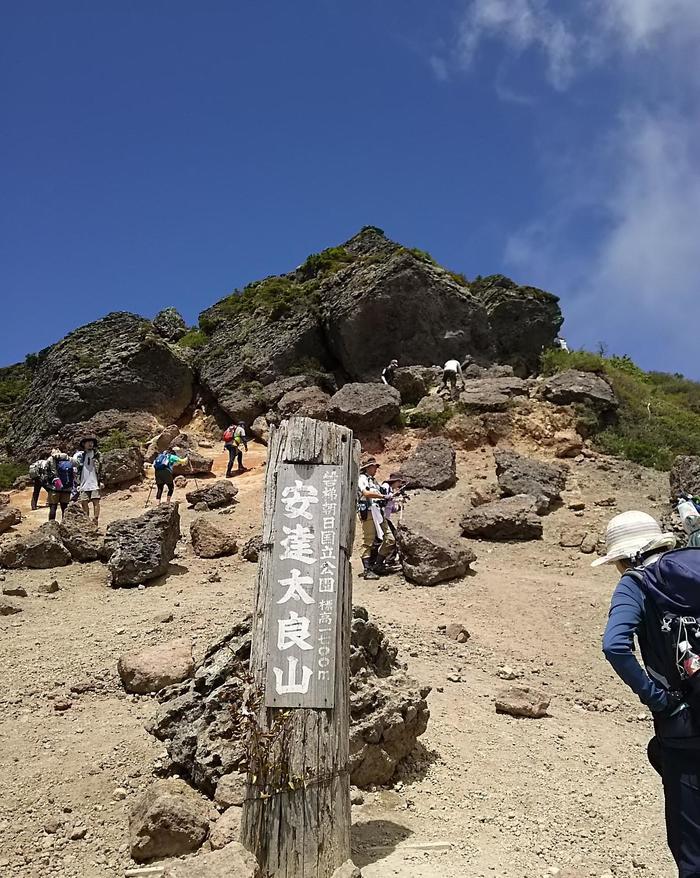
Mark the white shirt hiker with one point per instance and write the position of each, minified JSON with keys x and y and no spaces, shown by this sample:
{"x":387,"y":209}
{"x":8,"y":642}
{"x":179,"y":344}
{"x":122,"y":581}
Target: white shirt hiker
{"x":88,"y":475}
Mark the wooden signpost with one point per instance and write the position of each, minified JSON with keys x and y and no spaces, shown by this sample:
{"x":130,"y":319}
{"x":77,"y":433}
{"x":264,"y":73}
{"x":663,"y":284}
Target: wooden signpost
{"x":296,"y":818}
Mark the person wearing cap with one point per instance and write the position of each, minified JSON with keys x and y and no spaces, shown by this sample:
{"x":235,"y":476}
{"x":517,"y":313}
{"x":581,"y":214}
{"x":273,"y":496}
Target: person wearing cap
{"x":375,"y":529}
{"x":389,"y":372}
{"x":88,"y":465}
{"x":634,"y":545}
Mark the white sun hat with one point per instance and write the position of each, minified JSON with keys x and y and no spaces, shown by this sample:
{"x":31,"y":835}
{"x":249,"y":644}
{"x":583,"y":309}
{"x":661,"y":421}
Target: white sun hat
{"x":629,"y":534}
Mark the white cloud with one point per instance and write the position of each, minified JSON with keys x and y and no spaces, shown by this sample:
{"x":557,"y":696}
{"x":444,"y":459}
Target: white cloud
{"x":639,"y":23}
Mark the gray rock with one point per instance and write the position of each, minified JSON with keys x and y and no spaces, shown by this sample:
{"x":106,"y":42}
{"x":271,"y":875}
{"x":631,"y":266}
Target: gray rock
{"x":140,"y":549}
{"x":364,"y":407}
{"x":14,"y":591}
{"x":11,"y":552}
{"x":414,"y":382}
{"x":80,"y":536}
{"x":169,"y":819}
{"x":161,"y":442}
{"x":154,"y":668}
{"x":347,"y":870}
{"x":428,"y":558}
{"x":122,"y":465}
{"x":261,"y":429}
{"x":523,"y":475}
{"x":521,"y":701}
{"x":205,"y":740}
{"x":429,"y":408}
{"x":232,"y":861}
{"x":251,"y":550}
{"x":214,"y":494}
{"x":483,"y":399}
{"x":209,"y":541}
{"x":227,"y":829}
{"x":169,"y":324}
{"x":51,"y":587}
{"x":44,"y":548}
{"x":197,"y":464}
{"x":457,"y":631}
{"x":684,"y":477}
{"x":432,"y":465}
{"x":573,"y":386}
{"x":117,"y":363}
{"x":306,"y":402}
{"x":512,"y":518}
{"x":9,"y":517}
{"x":231,"y":790}
{"x":8,"y":607}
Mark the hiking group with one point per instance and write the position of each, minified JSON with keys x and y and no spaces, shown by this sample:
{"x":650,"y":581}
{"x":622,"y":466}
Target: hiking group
{"x":66,"y":478}
{"x":451,"y":373}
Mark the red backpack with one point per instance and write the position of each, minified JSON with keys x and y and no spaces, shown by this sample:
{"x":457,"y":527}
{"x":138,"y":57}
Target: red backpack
{"x":229,"y":434}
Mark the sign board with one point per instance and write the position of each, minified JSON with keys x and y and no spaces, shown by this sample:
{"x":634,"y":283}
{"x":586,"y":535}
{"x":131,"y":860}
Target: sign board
{"x":303,"y":595}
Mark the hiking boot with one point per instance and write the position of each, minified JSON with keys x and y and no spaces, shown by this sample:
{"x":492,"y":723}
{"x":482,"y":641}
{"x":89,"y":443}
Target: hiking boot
{"x":370,"y":574}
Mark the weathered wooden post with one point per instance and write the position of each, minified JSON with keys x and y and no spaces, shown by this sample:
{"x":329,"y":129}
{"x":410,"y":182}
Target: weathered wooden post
{"x":296,"y":818}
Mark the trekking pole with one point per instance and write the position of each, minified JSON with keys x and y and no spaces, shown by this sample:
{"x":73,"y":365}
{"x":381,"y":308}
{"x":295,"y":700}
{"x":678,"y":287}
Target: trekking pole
{"x":148,"y":499}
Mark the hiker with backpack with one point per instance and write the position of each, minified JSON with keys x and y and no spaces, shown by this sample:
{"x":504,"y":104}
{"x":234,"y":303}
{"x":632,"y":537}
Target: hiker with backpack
{"x":38,"y":473}
{"x":377,"y":537}
{"x":235,"y":440}
{"x":163,"y":469}
{"x":88,"y":467}
{"x":658,"y":600}
{"x":59,"y":481}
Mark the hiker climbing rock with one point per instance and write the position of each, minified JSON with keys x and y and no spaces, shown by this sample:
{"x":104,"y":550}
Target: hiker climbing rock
{"x":450,"y":371}
{"x":59,"y":481}
{"x":163,"y":469}
{"x":88,"y":467}
{"x":377,"y":537}
{"x":235,"y":441}
{"x":658,"y":600}
{"x":389,"y":372}
{"x":38,"y":471}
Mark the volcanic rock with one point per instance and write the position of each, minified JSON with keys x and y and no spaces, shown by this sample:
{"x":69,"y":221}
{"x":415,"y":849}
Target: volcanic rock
{"x":44,"y":548}
{"x":523,"y":475}
{"x":512,"y":518}
{"x":162,"y":442}
{"x":156,"y":667}
{"x":260,"y":428}
{"x":209,"y":541}
{"x":251,"y":550}
{"x":197,"y":464}
{"x":140,"y":549}
{"x":80,"y":536}
{"x":522,"y":701}
{"x":167,"y":820}
{"x":169,"y":324}
{"x":226,"y":829}
{"x":122,"y":465}
{"x":215,"y":495}
{"x":414,"y":382}
{"x":8,"y":607}
{"x":573,"y":386}
{"x":685,"y":476}
{"x":9,"y":517}
{"x":466,"y":432}
{"x":306,"y":402}
{"x":230,"y":790}
{"x":428,"y":557}
{"x":432,"y":465}
{"x":364,"y":407}
{"x":427,"y":410}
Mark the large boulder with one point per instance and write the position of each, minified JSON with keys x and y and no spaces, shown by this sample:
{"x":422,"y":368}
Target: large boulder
{"x":11,"y":552}
{"x":227,"y":829}
{"x":9,"y":517}
{"x":685,"y":476}
{"x":117,"y":363}
{"x":231,"y":861}
{"x":428,"y":558}
{"x":80,"y":536}
{"x":512,"y":518}
{"x":44,"y":548}
{"x":154,"y":668}
{"x":205,"y":739}
{"x":209,"y":541}
{"x":483,"y":399}
{"x":306,"y":402}
{"x":162,"y":442}
{"x":430,"y":411}
{"x":169,"y":324}
{"x":142,"y":548}
{"x":121,"y":465}
{"x":432,"y":465}
{"x":168,"y":819}
{"x":524,"y":475}
{"x":215,"y":495}
{"x":364,"y":407}
{"x":414,"y":382}
{"x":574,"y":386}
{"x":197,"y":464}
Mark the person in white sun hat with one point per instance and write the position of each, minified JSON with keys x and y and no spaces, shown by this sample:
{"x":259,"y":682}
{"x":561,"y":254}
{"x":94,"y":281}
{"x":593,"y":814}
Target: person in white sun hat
{"x":657,"y":591}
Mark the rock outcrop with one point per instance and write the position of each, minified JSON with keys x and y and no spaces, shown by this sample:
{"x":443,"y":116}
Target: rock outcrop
{"x":364,"y":407}
{"x":119,"y":362}
{"x":524,"y":475}
{"x":428,"y":558}
{"x":169,"y":324}
{"x":142,"y":548}
{"x":167,"y":820}
{"x":684,"y":477}
{"x":205,"y":735}
{"x":210,"y":541}
{"x":215,"y":495}
{"x":512,"y":518}
{"x":574,"y":386}
{"x":122,"y":465}
{"x":432,"y":465}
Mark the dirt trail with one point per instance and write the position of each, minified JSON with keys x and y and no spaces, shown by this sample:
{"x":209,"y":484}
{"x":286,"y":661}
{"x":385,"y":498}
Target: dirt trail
{"x":487,"y":795}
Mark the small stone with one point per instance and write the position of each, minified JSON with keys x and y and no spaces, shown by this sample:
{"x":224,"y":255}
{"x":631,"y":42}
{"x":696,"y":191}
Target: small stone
{"x":49,"y":587}
{"x":457,"y":631}
{"x":8,"y":607}
{"x":15,"y":591}
{"x":119,"y":794}
{"x":357,"y":796}
{"x":52,"y":825}
{"x":507,"y":673}
{"x":62,"y":705}
{"x":522,"y":701}
{"x":78,"y":833}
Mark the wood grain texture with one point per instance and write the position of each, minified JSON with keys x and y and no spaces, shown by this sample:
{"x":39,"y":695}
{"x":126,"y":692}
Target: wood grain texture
{"x":296,"y":818}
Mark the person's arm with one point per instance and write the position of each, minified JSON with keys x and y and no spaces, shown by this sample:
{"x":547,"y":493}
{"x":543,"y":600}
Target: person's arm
{"x":625,"y":617}
{"x":384,"y":376}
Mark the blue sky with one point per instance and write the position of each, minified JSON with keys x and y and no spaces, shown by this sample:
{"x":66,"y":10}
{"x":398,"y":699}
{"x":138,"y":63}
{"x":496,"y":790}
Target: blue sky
{"x":165,"y":153}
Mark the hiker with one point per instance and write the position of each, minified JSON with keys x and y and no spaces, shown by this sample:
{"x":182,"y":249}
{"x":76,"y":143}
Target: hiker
{"x":658,"y":600}
{"x":561,"y":344}
{"x":389,"y":372}
{"x":392,"y":489}
{"x":88,"y":467}
{"x":377,"y":537}
{"x":450,"y":371}
{"x":235,"y":440}
{"x":38,"y":472}
{"x":163,"y":469}
{"x":59,"y":481}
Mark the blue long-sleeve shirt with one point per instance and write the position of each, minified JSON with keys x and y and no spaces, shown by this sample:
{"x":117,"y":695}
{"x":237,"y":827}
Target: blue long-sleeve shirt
{"x":625,"y":620}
